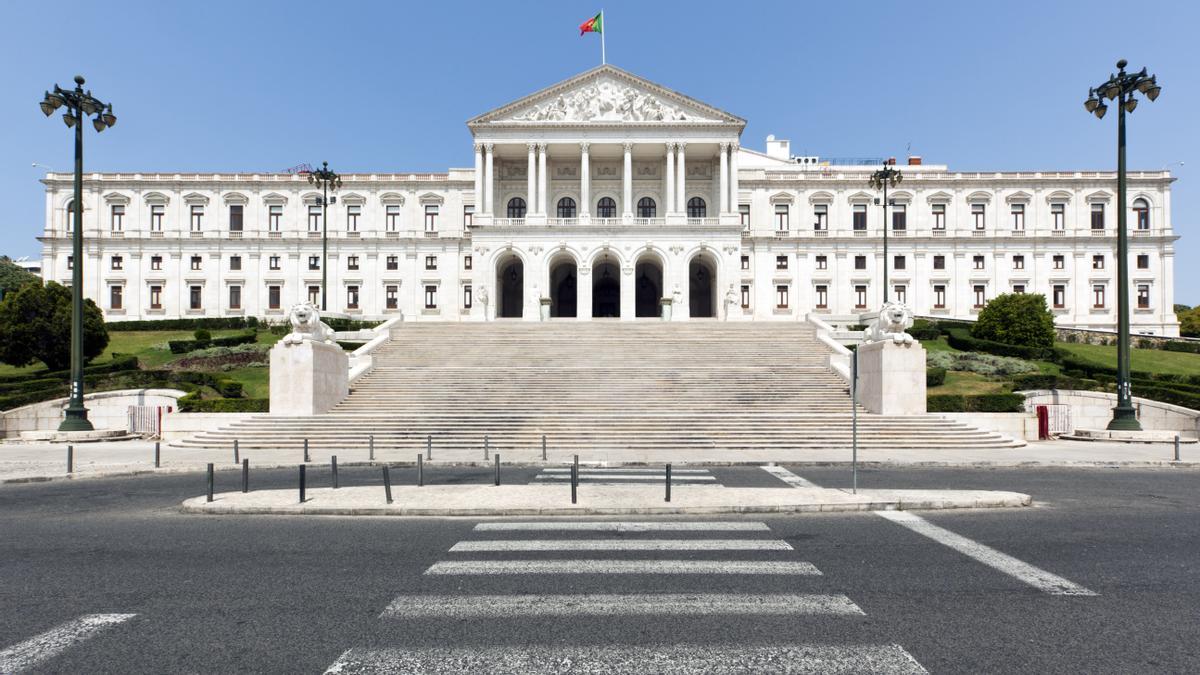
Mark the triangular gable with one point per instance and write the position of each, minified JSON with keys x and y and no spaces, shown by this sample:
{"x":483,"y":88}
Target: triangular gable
{"x":606,"y":94}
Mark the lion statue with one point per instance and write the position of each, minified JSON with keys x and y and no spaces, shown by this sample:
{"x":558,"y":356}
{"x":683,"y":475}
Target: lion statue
{"x":892,"y":324}
{"x":307,"y":325}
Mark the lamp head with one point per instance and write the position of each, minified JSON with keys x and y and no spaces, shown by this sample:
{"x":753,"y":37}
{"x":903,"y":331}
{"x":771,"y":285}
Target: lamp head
{"x":98,"y":123}
{"x":1153,"y":91}
{"x":1100,"y":110}
{"x":1092,"y":102}
{"x":69,"y":119}
{"x":1130,"y":104}
{"x":109,"y":118}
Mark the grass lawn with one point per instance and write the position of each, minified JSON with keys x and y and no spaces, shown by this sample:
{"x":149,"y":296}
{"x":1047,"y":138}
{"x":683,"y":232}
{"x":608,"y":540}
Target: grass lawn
{"x":968,"y":384}
{"x":1146,"y":360}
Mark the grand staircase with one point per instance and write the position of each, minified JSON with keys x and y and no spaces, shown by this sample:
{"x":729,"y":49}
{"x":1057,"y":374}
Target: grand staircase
{"x":600,"y":386}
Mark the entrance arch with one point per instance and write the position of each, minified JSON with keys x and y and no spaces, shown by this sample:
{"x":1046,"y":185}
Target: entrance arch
{"x":606,"y":288}
{"x":564,"y":278}
{"x":510,"y":280}
{"x":702,"y":287}
{"x":648,"y":286}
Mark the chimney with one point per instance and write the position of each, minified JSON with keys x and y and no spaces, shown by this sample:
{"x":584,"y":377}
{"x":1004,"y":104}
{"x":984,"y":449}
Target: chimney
{"x":914,"y":160}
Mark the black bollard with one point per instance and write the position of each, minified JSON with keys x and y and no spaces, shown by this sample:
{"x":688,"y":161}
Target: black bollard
{"x":157,"y":455}
{"x":302,"y":466}
{"x":210,"y":482}
{"x":333,"y":468}
{"x":306,"y":459}
{"x":70,"y":459}
{"x":429,"y":447}
{"x":371,"y":447}
{"x":246,"y":475}
{"x":236,"y":455}
{"x":574,"y":482}
{"x":543,"y":447}
{"x":668,"y":482}
{"x":485,"y":448}
{"x":497,"y":469}
{"x":420,"y":471}
{"x":387,"y":484}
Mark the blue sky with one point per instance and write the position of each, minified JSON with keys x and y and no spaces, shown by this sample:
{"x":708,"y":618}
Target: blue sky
{"x":261,"y":86}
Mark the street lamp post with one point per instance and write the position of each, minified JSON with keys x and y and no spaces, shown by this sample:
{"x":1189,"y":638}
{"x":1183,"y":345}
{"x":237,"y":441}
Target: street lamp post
{"x":79,"y":105}
{"x":1122,"y":87}
{"x":884,"y":178}
{"x":328,"y":180}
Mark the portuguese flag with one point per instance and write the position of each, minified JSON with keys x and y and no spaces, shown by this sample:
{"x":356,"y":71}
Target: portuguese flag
{"x":593,"y":25}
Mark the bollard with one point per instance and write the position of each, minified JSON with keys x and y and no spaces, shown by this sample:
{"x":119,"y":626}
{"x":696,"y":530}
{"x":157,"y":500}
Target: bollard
{"x":497,"y":469}
{"x":333,"y":468}
{"x":306,"y":459}
{"x":1176,"y":447}
{"x":70,"y":459}
{"x":157,"y":455}
{"x":543,"y":447}
{"x":210,"y":482}
{"x":371,"y":447}
{"x":429,"y":447}
{"x":387,"y":484}
{"x":302,"y":483}
{"x":485,"y":448}
{"x":574,"y":481}
{"x":420,"y":471}
{"x":246,"y":475}
{"x":236,"y":456}
{"x":668,"y":483}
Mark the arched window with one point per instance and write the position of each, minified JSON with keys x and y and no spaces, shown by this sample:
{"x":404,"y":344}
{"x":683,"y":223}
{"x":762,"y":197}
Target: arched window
{"x":646,"y":207}
{"x":606,"y":208}
{"x":71,"y":216}
{"x":516,"y":208}
{"x":1141,"y":208}
{"x":696,"y":208}
{"x":566,"y":208}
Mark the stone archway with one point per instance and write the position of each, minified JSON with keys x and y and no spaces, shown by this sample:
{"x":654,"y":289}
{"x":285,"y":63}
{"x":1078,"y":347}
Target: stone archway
{"x":564,"y":288}
{"x":510,"y":282}
{"x":648,"y":287}
{"x":606,"y":288}
{"x":702,"y":287}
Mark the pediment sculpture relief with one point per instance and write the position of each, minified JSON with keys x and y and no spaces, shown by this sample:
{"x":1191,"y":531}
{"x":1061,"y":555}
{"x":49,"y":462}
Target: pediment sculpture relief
{"x":605,"y":101}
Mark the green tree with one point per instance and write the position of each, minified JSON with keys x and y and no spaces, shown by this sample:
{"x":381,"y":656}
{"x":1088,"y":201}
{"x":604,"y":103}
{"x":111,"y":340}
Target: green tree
{"x":13,"y":277}
{"x":1189,"y":320}
{"x":35,"y":325}
{"x":1016,"y":319}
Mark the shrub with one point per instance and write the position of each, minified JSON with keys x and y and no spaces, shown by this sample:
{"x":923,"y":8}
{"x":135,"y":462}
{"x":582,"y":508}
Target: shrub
{"x":935,"y":376}
{"x":229,"y":388}
{"x":202,"y":335}
{"x":929,"y":333}
{"x":962,"y":341}
{"x":192,"y":403}
{"x":1016,"y":319}
{"x":985,"y":364}
{"x":979,"y":403}
{"x":187,"y":346}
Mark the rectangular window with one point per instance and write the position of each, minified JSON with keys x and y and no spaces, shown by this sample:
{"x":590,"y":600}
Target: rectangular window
{"x":821,"y":212}
{"x":273,"y":297}
{"x":156,"y":217}
{"x":1098,"y":216}
{"x":1143,"y":261}
{"x":781,"y":296}
{"x":978,"y":261}
{"x":860,"y":296}
{"x":822,"y":262}
{"x":156,"y":297}
{"x":314,"y":295}
{"x":1018,"y":216}
{"x":393,"y":263}
{"x":468,"y":263}
{"x":901,"y":294}
{"x":1097,"y":262}
{"x":468,"y":216}
{"x":939,"y":262}
{"x":781,"y":217}
{"x":1060,"y":262}
{"x":314,"y":218}
{"x":70,"y":262}
{"x":781,"y":262}
{"x":939,"y":216}
{"x":118,"y":217}
{"x":390,"y":295}
{"x":392,"y":217}
{"x":197,"y":263}
{"x":353,"y":211}
{"x":195,"y":297}
{"x":236,"y":214}
{"x":1143,"y":296}
{"x":273,"y":262}
{"x":274,"y":217}
{"x":156,"y":262}
{"x":1098,"y":296}
{"x":235,"y":297}
{"x":431,"y":262}
{"x":822,"y":294}
{"x":314,"y":262}
{"x":860,"y":217}
{"x":352,"y":297}
{"x":1059,"y":296}
{"x":197,"y":217}
{"x":979,"y":214}
{"x":939,"y":296}
{"x":117,"y":262}
{"x":980,"y":296}
{"x":1058,"y":215}
{"x":431,"y":297}
{"x":352,"y":262}
{"x":1018,"y":262}
{"x":431,"y":214}
{"x":235,"y":263}
{"x":744,"y":216}
{"x":860,"y":262}
{"x":467,"y":298}
{"x":745,"y":296}
{"x":115,"y":298}
{"x":745,"y":262}
{"x":899,"y":262}
{"x":1142,"y":210}
{"x":899,"y":217}
{"x":1018,"y":288}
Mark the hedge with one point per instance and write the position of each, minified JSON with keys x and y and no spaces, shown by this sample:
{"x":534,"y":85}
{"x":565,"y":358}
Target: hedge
{"x":980,"y":403}
{"x":1051,"y":381}
{"x":26,"y":397}
{"x":1189,"y":347}
{"x":962,"y":341}
{"x":927,"y":333}
{"x":229,"y":388}
{"x":185,"y":346}
{"x":223,"y":323}
{"x":1167,"y":395}
{"x":191,"y":403}
{"x":120,"y":362}
{"x":934,"y":376}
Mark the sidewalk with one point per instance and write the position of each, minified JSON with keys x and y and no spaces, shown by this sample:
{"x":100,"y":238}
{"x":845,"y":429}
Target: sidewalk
{"x":22,"y":463}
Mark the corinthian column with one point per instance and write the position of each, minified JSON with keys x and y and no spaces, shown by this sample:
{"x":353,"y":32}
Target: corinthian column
{"x":733,"y":178}
{"x":681,"y":197}
{"x":488,"y":179}
{"x":541,"y":196}
{"x":479,"y":179}
{"x":627,"y":180}
{"x":585,"y":183}
{"x":724,"y":179}
{"x":669,"y":192}
{"x":530,"y":176}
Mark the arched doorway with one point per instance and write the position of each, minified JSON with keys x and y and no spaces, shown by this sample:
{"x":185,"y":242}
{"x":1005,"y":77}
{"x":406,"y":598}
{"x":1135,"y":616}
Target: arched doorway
{"x":647,"y":283}
{"x":702,"y":288}
{"x":563,"y":288}
{"x":510,"y":279}
{"x":606,"y":288}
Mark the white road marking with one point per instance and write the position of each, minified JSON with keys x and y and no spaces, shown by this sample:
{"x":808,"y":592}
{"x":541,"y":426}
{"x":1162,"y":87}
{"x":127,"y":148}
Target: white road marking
{"x":1022,"y":571}
{"x":789,"y":477}
{"x":34,"y":651}
{"x":508,"y":606}
{"x":626,"y":477}
{"x":623,"y":545}
{"x":667,"y":659}
{"x":659,"y":472}
{"x":621,"y":567}
{"x":594,"y":482}
{"x":624,"y":526}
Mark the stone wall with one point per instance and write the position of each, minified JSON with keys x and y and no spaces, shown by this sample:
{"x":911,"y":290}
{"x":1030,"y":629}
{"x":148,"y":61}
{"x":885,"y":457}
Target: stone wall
{"x":106,"y":410}
{"x":1093,"y":410}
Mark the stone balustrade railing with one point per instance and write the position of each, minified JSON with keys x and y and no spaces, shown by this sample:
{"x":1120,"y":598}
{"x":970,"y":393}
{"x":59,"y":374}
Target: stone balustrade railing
{"x":839,"y":358}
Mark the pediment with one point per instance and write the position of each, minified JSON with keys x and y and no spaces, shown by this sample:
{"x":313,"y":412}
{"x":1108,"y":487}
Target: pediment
{"x":606,"y":95}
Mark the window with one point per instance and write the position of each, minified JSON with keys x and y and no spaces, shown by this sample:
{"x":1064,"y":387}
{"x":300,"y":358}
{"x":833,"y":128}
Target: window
{"x":821,"y":214}
{"x":314,"y":218}
{"x":274,"y":217}
{"x":1098,"y":296}
{"x":696,"y":208}
{"x":899,"y":217}
{"x":197,"y":263}
{"x":197,"y":217}
{"x":118,"y":217}
{"x":744,"y":216}
{"x":392,"y":217}
{"x":1018,"y":262}
{"x":1098,"y":216}
{"x":390,"y":299}
{"x":392,"y":263}
{"x":195,"y":297}
{"x":117,"y":262}
{"x":980,"y":295}
{"x":1143,"y":296}
{"x":353,"y":211}
{"x":516,"y":208}
{"x":1018,"y":216}
{"x":235,"y":263}
{"x":71,"y":216}
{"x":236,"y":213}
{"x":431,"y":214}
{"x":939,"y":216}
{"x":745,"y":296}
{"x":273,"y":299}
{"x":939,"y":296}
{"x":822,"y":262}
{"x":156,"y":262}
{"x":314,"y":262}
{"x":566,"y":208}
{"x":781,"y":262}
{"x":1060,"y":262}
{"x":468,"y":216}
{"x":468,"y":262}
{"x":781,"y":296}
{"x":156,"y":217}
{"x":606,"y":208}
{"x":1097,"y":262}
{"x":899,"y":262}
{"x":273,"y":262}
{"x":860,"y":296}
{"x":745,"y":262}
{"x":70,"y":262}
{"x":431,"y":262}
{"x":467,"y":297}
{"x":860,"y":217}
{"x":235,"y":297}
{"x":646,"y":208}
{"x":1059,"y":296}
{"x":978,"y":261}
{"x":781,"y":217}
{"x":352,"y":262}
{"x":431,"y":297}
{"x":314,"y":295}
{"x":1058,"y":215}
{"x":860,"y":262}
{"x":1019,"y":289}
{"x":156,"y":297}
{"x":979,"y":214}
{"x":939,"y":262}
{"x":900,"y":292}
{"x":1143,"y":261}
{"x":114,"y":297}
{"x":1141,"y":211}
{"x":352,"y":297}
{"x":822,"y":293}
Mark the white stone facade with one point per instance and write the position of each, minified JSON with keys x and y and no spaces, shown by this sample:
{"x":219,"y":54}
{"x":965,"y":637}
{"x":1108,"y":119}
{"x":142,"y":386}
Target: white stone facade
{"x":603,"y":194}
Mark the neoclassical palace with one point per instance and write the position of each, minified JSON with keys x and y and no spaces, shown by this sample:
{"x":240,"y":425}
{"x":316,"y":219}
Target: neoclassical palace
{"x":607,"y":195}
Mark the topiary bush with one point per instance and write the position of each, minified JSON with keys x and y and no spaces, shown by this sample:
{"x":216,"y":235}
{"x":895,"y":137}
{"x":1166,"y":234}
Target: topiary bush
{"x":202,"y":335}
{"x":935,"y":376}
{"x":1021,"y":319}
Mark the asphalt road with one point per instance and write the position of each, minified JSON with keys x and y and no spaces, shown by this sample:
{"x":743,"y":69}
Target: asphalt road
{"x":293,"y":595}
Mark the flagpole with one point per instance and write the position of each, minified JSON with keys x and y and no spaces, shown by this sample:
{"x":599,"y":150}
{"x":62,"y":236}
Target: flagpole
{"x":603,"y":30}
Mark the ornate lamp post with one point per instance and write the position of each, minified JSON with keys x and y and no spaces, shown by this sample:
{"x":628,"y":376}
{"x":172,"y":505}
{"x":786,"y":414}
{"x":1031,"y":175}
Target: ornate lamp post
{"x":79,"y":105}
{"x":1122,"y":87}
{"x":328,"y":180}
{"x":884,"y":178}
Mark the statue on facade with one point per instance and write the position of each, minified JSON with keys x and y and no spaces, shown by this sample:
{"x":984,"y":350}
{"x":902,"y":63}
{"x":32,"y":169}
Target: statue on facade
{"x":730,"y":301}
{"x":483,"y":299}
{"x":307,"y":325}
{"x":893,"y":322}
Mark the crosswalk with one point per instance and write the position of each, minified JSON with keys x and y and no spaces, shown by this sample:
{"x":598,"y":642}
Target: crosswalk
{"x":626,"y":476}
{"x":705,"y":555}
{"x":40,"y":648}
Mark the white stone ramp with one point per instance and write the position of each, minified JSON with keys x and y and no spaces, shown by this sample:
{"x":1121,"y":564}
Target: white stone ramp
{"x":35,"y":651}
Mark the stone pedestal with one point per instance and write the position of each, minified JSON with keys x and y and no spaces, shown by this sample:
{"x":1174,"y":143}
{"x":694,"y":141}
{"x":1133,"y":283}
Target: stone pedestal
{"x":308,"y":378}
{"x":891,"y":378}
